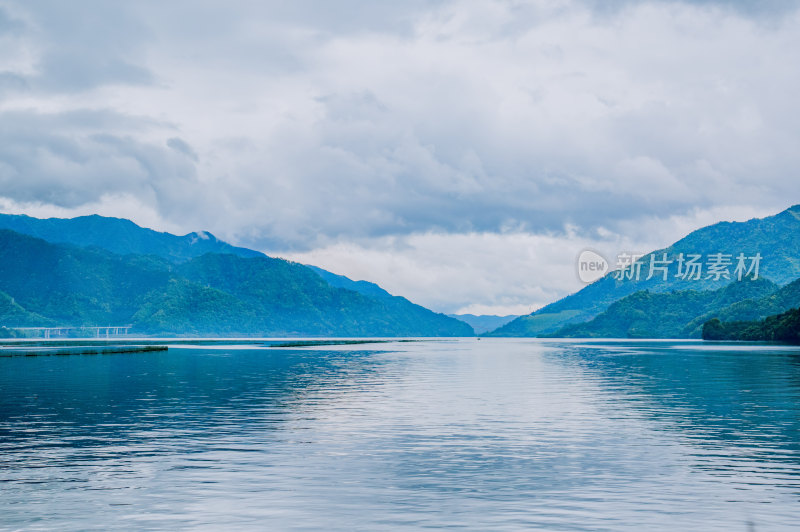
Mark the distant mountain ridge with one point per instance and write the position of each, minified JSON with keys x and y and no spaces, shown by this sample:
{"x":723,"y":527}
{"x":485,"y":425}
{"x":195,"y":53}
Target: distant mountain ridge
{"x":483,"y":323}
{"x":340,"y":281}
{"x":121,"y":236}
{"x":776,"y":238}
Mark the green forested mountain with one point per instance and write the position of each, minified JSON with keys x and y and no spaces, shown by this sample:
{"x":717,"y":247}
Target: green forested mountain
{"x":678,"y":314}
{"x":50,"y":284}
{"x":123,"y":237}
{"x":682,"y":314}
{"x":775,"y":238}
{"x":291,"y":296}
{"x":13,"y":315}
{"x":784,"y":327}
{"x":774,"y":317}
{"x":781,"y":300}
{"x":73,"y":286}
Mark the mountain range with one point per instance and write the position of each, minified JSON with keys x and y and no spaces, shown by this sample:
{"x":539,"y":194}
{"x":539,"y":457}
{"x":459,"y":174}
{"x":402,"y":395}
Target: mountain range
{"x":776,"y":239}
{"x":120,"y":236}
{"x":682,"y":314}
{"x":93,"y":270}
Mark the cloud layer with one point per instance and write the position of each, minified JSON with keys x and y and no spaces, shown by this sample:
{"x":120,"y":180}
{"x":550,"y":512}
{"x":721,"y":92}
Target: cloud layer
{"x":373,"y":136}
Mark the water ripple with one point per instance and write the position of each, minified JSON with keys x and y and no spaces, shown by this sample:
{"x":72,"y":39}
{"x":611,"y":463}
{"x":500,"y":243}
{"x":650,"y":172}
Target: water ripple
{"x":489,"y":435}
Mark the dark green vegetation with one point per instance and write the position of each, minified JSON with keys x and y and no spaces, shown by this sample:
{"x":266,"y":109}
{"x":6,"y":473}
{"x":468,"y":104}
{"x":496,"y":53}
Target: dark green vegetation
{"x":776,"y":238}
{"x":677,"y":314}
{"x":46,"y":284}
{"x":784,"y":327}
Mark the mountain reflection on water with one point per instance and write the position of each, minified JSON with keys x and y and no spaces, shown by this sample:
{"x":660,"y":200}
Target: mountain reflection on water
{"x":498,"y":434}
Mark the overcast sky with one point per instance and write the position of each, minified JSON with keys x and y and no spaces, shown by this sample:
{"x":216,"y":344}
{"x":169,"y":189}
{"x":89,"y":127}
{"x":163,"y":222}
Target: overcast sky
{"x":459,"y":153}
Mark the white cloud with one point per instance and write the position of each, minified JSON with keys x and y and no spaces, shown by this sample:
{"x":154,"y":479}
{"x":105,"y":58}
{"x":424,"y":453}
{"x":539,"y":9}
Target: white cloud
{"x":495,"y":273}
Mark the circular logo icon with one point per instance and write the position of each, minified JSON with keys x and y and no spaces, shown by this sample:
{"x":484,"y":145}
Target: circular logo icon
{"x":591,"y":266}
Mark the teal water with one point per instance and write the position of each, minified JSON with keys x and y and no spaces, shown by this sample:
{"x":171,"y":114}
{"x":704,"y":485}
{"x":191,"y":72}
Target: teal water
{"x":475,"y":435}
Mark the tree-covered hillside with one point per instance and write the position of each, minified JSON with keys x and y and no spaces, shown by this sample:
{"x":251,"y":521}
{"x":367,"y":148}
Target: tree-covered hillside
{"x":784,"y":327}
{"x":46,"y":284}
{"x":647,"y":314}
{"x":776,"y":239}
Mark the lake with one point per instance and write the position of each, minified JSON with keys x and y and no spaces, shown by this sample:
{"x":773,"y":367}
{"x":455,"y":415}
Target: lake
{"x":491,"y":434}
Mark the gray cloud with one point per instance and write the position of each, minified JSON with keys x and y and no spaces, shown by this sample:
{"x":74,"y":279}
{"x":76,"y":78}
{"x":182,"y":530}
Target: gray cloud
{"x":79,"y":46}
{"x":301,"y":125}
{"x":9,"y":24}
{"x":72,"y":158}
{"x":183,"y":147}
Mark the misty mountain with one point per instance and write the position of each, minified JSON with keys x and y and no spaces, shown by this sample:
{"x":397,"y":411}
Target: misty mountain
{"x":483,"y":323}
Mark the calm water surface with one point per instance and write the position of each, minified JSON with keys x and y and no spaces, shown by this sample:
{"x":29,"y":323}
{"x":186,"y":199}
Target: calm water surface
{"x":485,"y":435}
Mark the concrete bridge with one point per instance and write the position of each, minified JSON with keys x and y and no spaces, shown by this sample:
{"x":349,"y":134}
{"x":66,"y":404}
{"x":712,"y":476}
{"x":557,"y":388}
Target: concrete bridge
{"x":48,"y":332}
